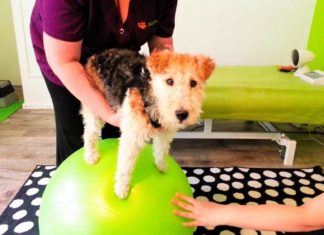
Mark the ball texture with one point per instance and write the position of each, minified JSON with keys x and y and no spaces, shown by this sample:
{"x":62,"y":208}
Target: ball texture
{"x":80,"y":198}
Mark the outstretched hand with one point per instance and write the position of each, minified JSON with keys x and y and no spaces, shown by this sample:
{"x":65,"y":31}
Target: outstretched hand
{"x":202,"y":213}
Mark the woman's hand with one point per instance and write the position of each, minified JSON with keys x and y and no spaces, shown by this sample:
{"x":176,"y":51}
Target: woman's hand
{"x":159,"y":44}
{"x":114,"y":119}
{"x":202,"y":213}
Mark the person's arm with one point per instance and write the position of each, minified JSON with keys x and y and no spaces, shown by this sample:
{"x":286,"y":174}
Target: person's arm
{"x":159,"y":44}
{"x":307,"y":217}
{"x":162,"y":40}
{"x":63,"y":57}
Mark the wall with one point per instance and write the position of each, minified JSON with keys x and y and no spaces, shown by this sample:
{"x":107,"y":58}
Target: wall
{"x":9,"y":69}
{"x":233,"y":32}
{"x":249,"y":32}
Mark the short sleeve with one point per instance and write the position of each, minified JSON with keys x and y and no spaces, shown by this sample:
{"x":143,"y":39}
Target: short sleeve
{"x":166,"y":18}
{"x":64,"y":19}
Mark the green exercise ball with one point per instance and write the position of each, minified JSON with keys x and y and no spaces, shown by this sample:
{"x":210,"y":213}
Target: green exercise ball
{"x":80,"y":198}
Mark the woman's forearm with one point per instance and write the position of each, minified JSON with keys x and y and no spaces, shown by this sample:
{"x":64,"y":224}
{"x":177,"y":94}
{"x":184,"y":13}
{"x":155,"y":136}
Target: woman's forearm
{"x":267,"y":217}
{"x":74,"y":77}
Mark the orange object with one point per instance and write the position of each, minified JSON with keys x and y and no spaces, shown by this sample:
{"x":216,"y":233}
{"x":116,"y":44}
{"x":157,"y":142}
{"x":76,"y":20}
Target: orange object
{"x":286,"y":68}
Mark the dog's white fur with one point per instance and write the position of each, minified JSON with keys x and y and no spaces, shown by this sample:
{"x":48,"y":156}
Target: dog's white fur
{"x":136,"y":126}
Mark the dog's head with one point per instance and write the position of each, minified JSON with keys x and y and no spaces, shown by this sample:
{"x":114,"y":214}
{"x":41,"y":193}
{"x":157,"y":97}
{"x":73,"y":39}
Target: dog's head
{"x":178,"y":82}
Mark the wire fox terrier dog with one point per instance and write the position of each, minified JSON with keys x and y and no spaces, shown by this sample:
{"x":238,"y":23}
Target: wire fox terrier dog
{"x":157,"y":96}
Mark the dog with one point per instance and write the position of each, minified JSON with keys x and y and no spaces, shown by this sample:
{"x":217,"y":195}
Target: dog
{"x":156,"y":95}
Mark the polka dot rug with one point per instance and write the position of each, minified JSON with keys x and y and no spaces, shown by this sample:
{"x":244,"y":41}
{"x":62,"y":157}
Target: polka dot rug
{"x":232,"y":185}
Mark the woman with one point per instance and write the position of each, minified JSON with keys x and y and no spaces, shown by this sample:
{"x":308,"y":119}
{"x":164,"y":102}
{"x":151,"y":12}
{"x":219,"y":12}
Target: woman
{"x":66,"y":32}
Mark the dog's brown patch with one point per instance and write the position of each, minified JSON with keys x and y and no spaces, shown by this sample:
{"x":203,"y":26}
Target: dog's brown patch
{"x":158,"y":62}
{"x":136,"y":103}
{"x":93,"y":77}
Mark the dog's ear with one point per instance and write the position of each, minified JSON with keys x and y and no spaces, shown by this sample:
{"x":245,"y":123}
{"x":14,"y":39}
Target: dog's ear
{"x":205,"y":66}
{"x":158,"y":61}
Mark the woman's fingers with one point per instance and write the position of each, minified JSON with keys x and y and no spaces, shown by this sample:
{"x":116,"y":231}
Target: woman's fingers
{"x":185,"y":198}
{"x":185,"y":214}
{"x":182,"y":205}
{"x":191,"y":224}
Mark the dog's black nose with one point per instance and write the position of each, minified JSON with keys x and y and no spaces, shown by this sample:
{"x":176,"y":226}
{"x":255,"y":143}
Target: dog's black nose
{"x":181,"y":115}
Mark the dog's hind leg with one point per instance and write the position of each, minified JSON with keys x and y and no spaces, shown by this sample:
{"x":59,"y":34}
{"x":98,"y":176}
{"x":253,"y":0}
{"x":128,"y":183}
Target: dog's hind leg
{"x":92,"y":129}
{"x":161,"y":146}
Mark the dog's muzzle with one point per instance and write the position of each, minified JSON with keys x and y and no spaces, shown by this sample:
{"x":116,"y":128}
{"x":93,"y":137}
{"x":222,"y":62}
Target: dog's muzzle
{"x":181,"y":115}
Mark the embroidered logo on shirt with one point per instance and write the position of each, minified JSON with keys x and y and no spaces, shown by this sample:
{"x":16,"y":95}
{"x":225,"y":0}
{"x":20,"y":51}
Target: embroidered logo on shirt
{"x":143,"y":25}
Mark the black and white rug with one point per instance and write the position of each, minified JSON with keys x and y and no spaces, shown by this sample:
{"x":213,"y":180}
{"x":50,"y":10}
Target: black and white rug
{"x":224,"y":185}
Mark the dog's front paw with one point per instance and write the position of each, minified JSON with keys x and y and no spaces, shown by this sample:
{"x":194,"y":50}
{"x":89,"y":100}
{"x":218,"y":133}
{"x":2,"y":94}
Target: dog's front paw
{"x":162,"y":166}
{"x":121,"y":190}
{"x":92,"y":158}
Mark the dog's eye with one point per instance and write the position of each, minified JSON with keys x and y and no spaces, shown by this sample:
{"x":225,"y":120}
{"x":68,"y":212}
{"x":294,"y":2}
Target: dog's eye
{"x":193,"y":83}
{"x":170,"y":81}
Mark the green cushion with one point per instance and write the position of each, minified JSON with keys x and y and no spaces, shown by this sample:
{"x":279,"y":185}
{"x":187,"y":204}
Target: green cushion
{"x":262,"y":93}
